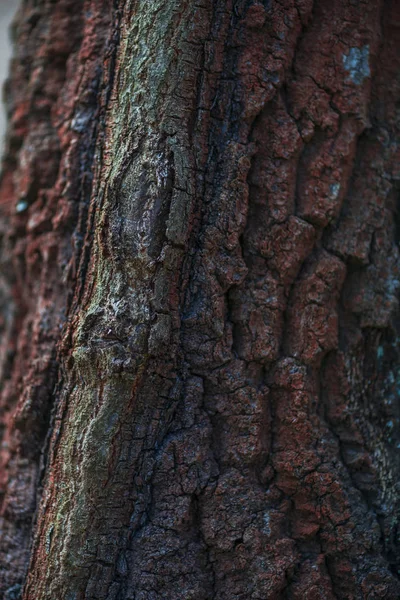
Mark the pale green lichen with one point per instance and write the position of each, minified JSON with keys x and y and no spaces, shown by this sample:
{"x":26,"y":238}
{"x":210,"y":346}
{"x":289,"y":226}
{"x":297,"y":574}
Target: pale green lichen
{"x":109,"y":358}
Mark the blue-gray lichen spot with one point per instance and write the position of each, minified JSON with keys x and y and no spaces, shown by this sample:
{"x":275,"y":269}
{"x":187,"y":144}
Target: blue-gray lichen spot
{"x":334,"y":189}
{"x":356,"y":63}
{"x":14,"y":593}
{"x":22,"y":205}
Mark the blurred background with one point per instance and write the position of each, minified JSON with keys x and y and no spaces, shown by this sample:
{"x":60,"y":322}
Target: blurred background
{"x":7,"y":10}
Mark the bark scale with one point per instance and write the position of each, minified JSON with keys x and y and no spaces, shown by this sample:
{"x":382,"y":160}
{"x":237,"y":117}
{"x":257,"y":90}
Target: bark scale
{"x":200,"y":322}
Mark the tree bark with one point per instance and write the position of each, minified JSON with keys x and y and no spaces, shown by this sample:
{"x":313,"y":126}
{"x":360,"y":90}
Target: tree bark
{"x":200,"y":326}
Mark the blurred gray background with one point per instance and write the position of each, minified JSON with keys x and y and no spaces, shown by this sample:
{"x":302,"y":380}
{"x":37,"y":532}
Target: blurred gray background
{"x":7,"y":10}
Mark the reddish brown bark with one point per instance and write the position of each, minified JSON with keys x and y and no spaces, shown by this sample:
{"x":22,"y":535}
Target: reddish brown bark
{"x":200,"y":321}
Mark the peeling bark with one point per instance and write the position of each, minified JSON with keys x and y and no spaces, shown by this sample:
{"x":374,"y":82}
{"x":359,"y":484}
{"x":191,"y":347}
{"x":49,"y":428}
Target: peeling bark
{"x":200,"y":326}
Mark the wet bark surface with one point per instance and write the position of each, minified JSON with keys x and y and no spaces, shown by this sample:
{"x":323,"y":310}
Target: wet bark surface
{"x":199,"y":296}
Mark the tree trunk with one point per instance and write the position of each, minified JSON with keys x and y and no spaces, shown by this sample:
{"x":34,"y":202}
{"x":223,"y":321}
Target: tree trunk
{"x":200,"y":330}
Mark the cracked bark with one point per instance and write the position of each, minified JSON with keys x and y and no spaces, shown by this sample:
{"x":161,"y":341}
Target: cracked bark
{"x":199,"y":326}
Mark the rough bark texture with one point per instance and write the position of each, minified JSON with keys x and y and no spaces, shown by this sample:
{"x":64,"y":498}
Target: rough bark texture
{"x":200,"y":324}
